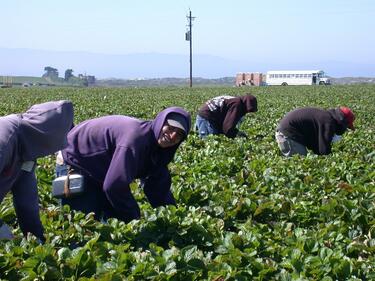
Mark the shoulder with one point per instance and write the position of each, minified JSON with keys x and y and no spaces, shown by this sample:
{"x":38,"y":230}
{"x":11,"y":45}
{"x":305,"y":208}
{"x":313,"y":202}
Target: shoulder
{"x":8,"y":127}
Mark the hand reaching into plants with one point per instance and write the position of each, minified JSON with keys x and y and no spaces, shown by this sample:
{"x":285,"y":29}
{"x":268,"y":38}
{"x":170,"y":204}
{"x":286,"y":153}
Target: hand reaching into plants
{"x":242,"y":134}
{"x":5,"y":231}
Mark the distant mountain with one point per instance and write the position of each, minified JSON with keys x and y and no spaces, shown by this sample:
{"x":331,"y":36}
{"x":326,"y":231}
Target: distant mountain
{"x":198,"y":81}
{"x":28,"y":62}
{"x":154,"y":82}
{"x":352,"y":80}
{"x":159,"y":82}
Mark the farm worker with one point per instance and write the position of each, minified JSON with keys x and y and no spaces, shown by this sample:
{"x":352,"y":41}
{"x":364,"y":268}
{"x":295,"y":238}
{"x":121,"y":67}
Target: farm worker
{"x":112,"y":151}
{"x":312,"y":128}
{"x":24,"y":137}
{"x":223,"y":114}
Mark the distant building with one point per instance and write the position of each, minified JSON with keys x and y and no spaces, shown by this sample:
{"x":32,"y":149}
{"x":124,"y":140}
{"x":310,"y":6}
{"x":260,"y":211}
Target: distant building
{"x":89,"y":79}
{"x":249,"y":79}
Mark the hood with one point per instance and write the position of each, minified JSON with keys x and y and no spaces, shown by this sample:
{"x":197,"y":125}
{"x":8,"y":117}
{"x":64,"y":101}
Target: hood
{"x":44,"y":128}
{"x":158,"y":122}
{"x":250,"y":103}
{"x":167,"y":154}
{"x":341,"y":123}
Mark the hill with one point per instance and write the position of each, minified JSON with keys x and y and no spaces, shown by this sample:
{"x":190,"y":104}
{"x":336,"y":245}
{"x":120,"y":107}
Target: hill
{"x":28,"y":81}
{"x":156,"y":82}
{"x":198,"y":81}
{"x":21,"y":62}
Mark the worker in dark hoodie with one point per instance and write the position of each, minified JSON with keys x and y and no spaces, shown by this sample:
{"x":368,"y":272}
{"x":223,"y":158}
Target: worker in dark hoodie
{"x":312,"y":128}
{"x":24,"y":137}
{"x":223,"y":115}
{"x":112,"y":151}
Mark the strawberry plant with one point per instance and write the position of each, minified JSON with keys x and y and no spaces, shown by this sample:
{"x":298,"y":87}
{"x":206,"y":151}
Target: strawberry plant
{"x":243,"y":213}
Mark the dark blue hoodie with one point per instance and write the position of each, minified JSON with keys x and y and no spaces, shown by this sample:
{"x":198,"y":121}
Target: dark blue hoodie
{"x":313,"y":127}
{"x":115,"y":150}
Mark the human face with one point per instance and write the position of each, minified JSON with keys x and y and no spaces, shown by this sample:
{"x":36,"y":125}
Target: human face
{"x":170,"y":136}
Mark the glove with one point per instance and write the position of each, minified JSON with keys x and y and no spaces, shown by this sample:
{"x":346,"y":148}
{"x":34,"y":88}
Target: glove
{"x":40,"y":241}
{"x":241,"y":134}
{"x":336,"y":138}
{"x":5,"y":232}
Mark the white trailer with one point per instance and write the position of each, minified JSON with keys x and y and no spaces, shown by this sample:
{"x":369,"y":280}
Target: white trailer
{"x":297,"y":77}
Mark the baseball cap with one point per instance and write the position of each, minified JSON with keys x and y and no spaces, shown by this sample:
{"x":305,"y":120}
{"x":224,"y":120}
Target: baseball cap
{"x":348,"y":115}
{"x":178,"y":121}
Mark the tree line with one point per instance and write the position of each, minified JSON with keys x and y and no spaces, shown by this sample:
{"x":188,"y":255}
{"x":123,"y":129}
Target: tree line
{"x":53,"y":74}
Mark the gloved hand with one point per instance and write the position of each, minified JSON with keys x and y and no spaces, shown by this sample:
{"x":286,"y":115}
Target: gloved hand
{"x":5,"y":232}
{"x":40,"y":241}
{"x":336,"y":138}
{"x":241,"y":134}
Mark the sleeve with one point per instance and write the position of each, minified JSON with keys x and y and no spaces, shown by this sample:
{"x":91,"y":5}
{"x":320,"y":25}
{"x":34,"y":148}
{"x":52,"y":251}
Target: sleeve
{"x":230,"y":121}
{"x":325,"y":139}
{"x":121,"y":172}
{"x":25,"y":200}
{"x":157,"y":188}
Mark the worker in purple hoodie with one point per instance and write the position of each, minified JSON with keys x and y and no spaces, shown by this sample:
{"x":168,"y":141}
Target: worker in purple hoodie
{"x":112,"y":151}
{"x":24,"y":137}
{"x":223,"y":115}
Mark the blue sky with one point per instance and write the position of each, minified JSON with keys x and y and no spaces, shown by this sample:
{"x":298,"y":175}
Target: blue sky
{"x":255,"y":31}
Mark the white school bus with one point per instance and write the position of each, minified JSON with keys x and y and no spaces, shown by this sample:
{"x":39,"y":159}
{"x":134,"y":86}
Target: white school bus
{"x":297,"y":77}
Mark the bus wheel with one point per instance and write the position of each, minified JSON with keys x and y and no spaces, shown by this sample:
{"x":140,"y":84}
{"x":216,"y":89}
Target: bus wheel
{"x":322,"y":83}
{"x":284,"y":84}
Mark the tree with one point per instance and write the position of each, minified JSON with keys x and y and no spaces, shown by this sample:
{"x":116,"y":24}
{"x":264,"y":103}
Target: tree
{"x":50,"y":72}
{"x":68,"y":74}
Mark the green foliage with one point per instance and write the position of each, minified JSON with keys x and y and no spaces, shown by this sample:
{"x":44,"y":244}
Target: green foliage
{"x":244,"y":212}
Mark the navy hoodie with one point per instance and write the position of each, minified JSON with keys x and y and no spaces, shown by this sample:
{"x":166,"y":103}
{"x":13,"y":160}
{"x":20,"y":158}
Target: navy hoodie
{"x":38,"y":132}
{"x":115,"y":150}
{"x":313,"y":127}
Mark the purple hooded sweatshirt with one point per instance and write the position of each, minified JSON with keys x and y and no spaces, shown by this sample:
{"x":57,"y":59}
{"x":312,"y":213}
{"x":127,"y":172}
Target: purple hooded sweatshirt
{"x":38,"y":132}
{"x":115,"y":150}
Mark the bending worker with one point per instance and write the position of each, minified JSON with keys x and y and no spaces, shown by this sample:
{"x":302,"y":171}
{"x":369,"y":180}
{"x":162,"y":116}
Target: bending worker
{"x":312,"y":128}
{"x":223,"y":114}
{"x":112,"y":151}
{"x":38,"y":132}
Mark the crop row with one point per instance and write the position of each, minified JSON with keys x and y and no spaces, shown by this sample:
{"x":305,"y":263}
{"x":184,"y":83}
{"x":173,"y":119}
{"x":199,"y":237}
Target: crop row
{"x":244,"y":212}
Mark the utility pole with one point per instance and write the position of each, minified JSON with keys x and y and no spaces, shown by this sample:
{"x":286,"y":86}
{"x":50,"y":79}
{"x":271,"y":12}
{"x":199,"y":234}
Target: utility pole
{"x":189,"y":37}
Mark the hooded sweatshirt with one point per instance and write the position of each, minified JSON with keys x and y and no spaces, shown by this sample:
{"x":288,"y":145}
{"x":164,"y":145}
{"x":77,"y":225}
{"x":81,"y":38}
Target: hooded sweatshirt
{"x":313,"y":127}
{"x":115,"y":150}
{"x":225,"y":112}
{"x":38,"y":132}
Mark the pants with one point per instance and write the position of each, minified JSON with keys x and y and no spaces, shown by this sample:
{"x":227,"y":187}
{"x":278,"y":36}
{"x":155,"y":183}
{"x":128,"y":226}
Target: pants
{"x":204,"y":127}
{"x":289,"y":147}
{"x":93,"y":199}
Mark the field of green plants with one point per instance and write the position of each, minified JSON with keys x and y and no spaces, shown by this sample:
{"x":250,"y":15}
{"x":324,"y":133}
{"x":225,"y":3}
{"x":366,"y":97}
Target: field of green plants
{"x":244,"y":212}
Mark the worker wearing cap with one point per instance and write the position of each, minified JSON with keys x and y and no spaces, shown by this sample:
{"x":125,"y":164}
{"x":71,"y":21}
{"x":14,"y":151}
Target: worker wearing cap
{"x":312,"y":128}
{"x":112,"y":151}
